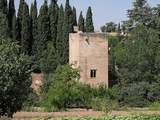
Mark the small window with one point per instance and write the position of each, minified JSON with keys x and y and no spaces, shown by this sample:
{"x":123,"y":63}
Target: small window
{"x":93,"y":73}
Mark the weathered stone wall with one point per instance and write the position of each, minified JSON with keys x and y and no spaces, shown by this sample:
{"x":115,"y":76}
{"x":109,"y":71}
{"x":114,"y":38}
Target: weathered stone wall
{"x":37,"y":82}
{"x":90,"y":51}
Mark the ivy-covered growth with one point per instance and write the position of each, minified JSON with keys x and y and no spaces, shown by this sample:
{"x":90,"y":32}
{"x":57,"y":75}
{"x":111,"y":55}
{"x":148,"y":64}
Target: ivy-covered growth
{"x":89,"y":21}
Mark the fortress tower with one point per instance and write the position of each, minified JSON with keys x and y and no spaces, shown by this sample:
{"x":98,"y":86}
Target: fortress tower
{"x":89,"y":53}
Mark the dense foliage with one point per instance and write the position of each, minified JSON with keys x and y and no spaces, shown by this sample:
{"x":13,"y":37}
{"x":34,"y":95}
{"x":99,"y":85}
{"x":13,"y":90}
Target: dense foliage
{"x":134,"y":59}
{"x":73,"y":94}
{"x":15,"y":79}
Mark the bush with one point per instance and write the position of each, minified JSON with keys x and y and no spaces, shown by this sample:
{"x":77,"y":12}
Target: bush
{"x":58,"y":95}
{"x":139,"y":94}
{"x":66,"y":92}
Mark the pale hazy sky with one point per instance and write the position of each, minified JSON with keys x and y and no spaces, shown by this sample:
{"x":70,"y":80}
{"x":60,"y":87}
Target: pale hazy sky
{"x":103,"y":10}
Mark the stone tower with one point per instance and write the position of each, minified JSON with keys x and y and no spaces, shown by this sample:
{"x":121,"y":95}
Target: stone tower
{"x":89,"y":53}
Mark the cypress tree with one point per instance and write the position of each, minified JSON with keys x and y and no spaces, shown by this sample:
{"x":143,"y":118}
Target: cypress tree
{"x":89,"y":21}
{"x":74,"y":17}
{"x":34,"y":32}
{"x":3,"y":25}
{"x":119,"y":28}
{"x":43,"y":28}
{"x":59,"y":41}
{"x":3,"y":6}
{"x":14,"y":28}
{"x":67,"y":28}
{"x":19,"y":19}
{"x":53,"y":14}
{"x":25,"y":31}
{"x":11,"y":14}
{"x":3,"y":18}
{"x":81,"y":23}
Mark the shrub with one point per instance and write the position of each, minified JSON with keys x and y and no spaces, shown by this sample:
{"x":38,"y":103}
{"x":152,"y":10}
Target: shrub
{"x":66,"y":92}
{"x":155,"y":105}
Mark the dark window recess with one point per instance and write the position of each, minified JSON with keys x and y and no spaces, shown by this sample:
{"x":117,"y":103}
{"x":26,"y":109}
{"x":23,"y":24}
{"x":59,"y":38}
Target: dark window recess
{"x":93,"y":73}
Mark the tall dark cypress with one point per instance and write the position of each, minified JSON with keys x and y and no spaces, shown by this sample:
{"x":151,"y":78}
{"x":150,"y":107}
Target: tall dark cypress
{"x":81,"y":23}
{"x":43,"y":28}
{"x":59,"y":41}
{"x":25,"y":31}
{"x":119,"y":28}
{"x":14,"y":33}
{"x":89,"y":21}
{"x":53,"y":15}
{"x":74,"y":17}
{"x":34,"y":32}
{"x":11,"y":15}
{"x":3,"y":6}
{"x":19,"y":19}
{"x":67,"y":28}
{"x":3,"y":18}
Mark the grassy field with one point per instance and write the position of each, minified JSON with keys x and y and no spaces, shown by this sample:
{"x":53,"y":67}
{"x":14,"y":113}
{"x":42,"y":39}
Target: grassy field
{"x":84,"y":115}
{"x":132,"y":117}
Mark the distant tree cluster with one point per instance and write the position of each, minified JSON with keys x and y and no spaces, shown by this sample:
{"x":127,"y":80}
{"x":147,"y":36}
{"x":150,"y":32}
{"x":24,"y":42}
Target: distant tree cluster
{"x":47,"y":31}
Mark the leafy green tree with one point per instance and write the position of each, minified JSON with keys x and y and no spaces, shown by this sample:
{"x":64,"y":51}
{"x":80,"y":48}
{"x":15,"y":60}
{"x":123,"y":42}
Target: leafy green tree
{"x":55,"y":98}
{"x":34,"y":23}
{"x":25,"y":30}
{"x":156,"y":17}
{"x":142,"y":45}
{"x":141,"y":13}
{"x":74,"y":17}
{"x":67,"y":28}
{"x":109,"y":27}
{"x":53,"y":13}
{"x":15,"y":79}
{"x":59,"y":42}
{"x":81,"y":23}
{"x":89,"y":21}
{"x":43,"y":29}
{"x":11,"y":15}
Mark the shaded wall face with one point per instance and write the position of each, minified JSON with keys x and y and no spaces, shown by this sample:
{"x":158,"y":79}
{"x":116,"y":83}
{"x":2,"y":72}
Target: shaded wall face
{"x":91,"y":53}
